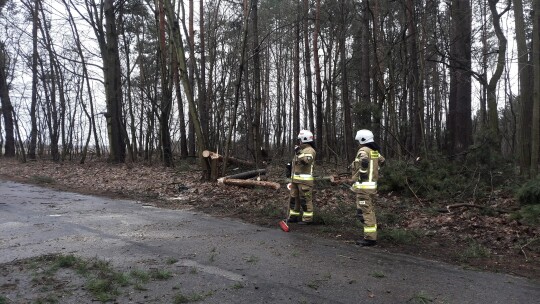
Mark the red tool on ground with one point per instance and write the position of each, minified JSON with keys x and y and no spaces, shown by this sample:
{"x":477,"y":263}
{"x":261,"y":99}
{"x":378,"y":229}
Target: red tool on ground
{"x":283,"y":225}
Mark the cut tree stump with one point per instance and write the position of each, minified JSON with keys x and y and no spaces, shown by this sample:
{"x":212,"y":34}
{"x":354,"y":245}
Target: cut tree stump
{"x":248,"y":183}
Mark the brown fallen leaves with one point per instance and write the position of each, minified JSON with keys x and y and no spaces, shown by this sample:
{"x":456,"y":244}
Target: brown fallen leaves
{"x":472,"y":236}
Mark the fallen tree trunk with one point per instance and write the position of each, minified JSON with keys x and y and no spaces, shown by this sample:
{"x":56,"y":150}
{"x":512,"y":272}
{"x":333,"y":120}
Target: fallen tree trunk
{"x":247,"y":174}
{"x":336,"y":180}
{"x":232,"y":160}
{"x":248,"y":183}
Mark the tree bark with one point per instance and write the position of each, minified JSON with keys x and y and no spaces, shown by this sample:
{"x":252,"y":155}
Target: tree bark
{"x":113,"y":85}
{"x":33,"y":120}
{"x":347,"y":126}
{"x":525,"y":90}
{"x":7,"y":107}
{"x":318,"y":89}
{"x":535,"y":133}
{"x":256,"y":122}
{"x":166,"y":91}
{"x":459,"y":103}
{"x":296,"y":78}
{"x":307,"y":67}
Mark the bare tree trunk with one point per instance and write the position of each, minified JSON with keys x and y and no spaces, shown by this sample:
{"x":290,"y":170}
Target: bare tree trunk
{"x":204,"y":105}
{"x":296,"y":78}
{"x":166,"y":91}
{"x":307,"y":60}
{"x":132,"y":144}
{"x":318,"y":89}
{"x":459,"y":112}
{"x":525,"y":90}
{"x":256,"y":123}
{"x":191,"y":41}
{"x":33,"y":106}
{"x":535,"y":133}
{"x":183,"y":137}
{"x":415,"y":83}
{"x":7,"y":108}
{"x":347,"y":127}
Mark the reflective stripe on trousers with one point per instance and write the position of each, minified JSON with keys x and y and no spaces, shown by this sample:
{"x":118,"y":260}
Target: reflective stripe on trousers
{"x":303,"y":177}
{"x":370,"y":229}
{"x":365,"y":185}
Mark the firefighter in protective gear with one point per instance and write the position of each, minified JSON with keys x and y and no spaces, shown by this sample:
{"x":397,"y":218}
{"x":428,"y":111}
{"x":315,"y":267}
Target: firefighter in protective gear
{"x":365,"y":174}
{"x":301,"y":190}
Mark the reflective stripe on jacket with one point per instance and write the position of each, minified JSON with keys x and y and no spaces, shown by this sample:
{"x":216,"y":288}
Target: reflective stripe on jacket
{"x":366,"y":168}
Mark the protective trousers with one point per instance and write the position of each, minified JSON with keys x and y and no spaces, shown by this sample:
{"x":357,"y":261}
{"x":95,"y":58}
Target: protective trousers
{"x":366,"y":212}
{"x":301,"y":203}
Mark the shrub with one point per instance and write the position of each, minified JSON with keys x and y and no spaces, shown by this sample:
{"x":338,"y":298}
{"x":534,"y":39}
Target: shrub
{"x":529,"y":193}
{"x":439,"y":177}
{"x":529,"y":214}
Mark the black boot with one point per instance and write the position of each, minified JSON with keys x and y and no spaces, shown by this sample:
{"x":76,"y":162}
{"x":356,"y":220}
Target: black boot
{"x":366,"y":243}
{"x":293,"y":219}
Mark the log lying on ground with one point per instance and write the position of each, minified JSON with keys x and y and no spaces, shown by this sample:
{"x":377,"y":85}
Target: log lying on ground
{"x":336,"y":180}
{"x":247,"y":174}
{"x":232,"y":160}
{"x":248,"y":183}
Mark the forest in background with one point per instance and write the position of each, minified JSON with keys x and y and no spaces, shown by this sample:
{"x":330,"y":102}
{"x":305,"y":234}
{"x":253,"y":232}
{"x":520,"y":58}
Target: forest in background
{"x":143,"y":80}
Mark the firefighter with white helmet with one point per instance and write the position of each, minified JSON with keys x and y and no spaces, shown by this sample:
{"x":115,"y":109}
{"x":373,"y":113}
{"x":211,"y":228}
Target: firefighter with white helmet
{"x":365,"y":174}
{"x":301,"y":190}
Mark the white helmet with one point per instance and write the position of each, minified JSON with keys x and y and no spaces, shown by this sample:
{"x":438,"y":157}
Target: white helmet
{"x":364,"y":136}
{"x":305,"y":136}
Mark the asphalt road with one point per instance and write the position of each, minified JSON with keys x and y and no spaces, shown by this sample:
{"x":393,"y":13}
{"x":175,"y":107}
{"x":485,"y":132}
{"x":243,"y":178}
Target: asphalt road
{"x":274,"y":266}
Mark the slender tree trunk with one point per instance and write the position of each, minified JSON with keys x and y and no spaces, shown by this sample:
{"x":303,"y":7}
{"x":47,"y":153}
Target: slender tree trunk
{"x":307,"y":60}
{"x":7,"y":108}
{"x":296,"y":78}
{"x":415,"y":82}
{"x":183,"y":137}
{"x":132,"y":144}
{"x":347,"y":127}
{"x":166,"y":94}
{"x":256,"y":123}
{"x":493,"y":119}
{"x":525,"y":90}
{"x":191,"y":40}
{"x":318,"y":89}
{"x":204,"y":105}
{"x":535,"y":133}
{"x":33,"y":106}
